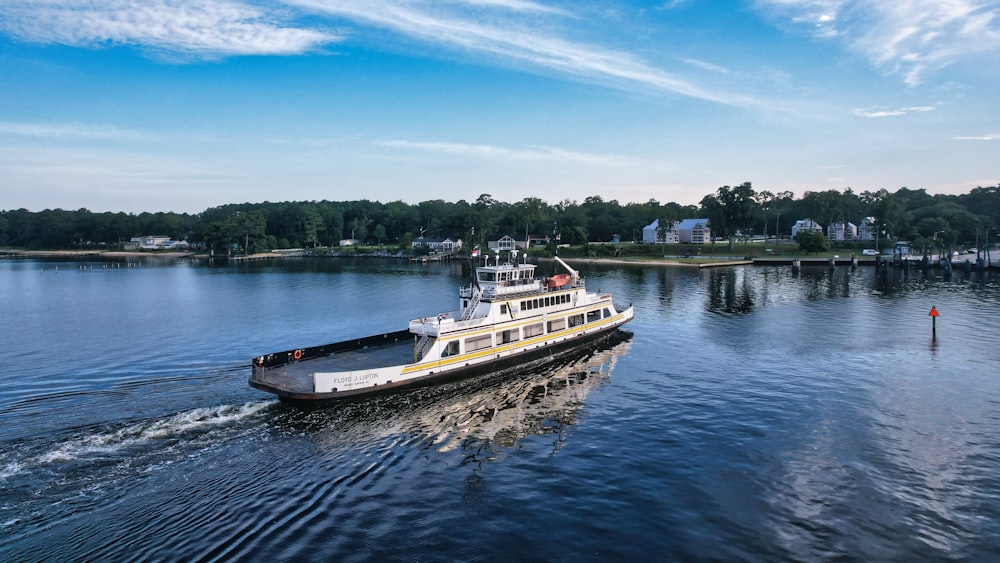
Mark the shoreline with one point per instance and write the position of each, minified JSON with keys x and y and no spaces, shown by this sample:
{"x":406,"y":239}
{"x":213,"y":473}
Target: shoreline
{"x":700,"y":262}
{"x":83,"y":253}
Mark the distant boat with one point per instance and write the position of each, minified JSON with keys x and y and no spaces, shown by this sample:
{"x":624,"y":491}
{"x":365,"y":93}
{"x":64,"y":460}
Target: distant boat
{"x":506,"y":317}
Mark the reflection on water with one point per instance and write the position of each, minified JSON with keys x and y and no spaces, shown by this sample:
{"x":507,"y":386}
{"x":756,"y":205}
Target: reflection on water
{"x":480,"y":415}
{"x":744,"y":290}
{"x":757,"y":415}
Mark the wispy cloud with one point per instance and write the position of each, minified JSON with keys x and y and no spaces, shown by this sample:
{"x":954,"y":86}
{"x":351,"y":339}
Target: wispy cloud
{"x":892,"y":112}
{"x":910,"y":39}
{"x":516,"y":41}
{"x":71,"y":131}
{"x":520,"y":33}
{"x":192,"y":28}
{"x":704,"y":65}
{"x":991,"y":137}
{"x":491,"y":152}
{"x":514,"y":5}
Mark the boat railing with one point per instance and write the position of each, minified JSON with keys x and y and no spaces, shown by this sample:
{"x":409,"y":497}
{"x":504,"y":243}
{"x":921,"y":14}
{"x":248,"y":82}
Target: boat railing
{"x":471,"y":308}
{"x":423,"y":346}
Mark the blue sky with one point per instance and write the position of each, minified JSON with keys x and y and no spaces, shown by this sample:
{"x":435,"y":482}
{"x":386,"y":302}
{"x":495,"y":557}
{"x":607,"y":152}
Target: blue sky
{"x":180,"y":105}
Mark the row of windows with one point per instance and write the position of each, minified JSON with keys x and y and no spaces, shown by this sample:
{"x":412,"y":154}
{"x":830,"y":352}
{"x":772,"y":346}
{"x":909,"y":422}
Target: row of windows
{"x":508,"y":336}
{"x":548,"y":301}
{"x":507,"y":275}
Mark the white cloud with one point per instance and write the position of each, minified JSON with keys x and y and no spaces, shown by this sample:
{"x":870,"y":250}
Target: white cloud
{"x":512,"y":32}
{"x":71,"y":131}
{"x":532,"y":153}
{"x":892,"y":112}
{"x":908,"y":38}
{"x":176,"y":27}
{"x":992,"y":137}
{"x":518,"y":42}
{"x":514,"y":5}
{"x":704,"y":65}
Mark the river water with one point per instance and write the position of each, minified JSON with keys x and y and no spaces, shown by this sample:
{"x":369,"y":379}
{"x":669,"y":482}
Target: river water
{"x":745,"y":414}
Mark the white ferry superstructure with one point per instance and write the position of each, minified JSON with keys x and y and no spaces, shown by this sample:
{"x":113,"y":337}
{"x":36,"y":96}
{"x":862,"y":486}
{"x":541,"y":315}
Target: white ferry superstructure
{"x":506,"y":316}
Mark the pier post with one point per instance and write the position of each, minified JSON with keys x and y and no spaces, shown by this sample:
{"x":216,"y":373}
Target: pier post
{"x":796,"y":266}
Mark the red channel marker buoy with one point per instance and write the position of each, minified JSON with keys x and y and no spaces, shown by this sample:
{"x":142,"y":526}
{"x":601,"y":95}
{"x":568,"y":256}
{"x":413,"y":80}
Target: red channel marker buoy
{"x":934,"y":315}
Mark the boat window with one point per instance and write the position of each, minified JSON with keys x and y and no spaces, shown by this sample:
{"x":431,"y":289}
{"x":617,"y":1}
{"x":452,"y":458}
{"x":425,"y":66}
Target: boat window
{"x":576,"y":320}
{"x":478,"y":342}
{"x":556,"y":325}
{"x":533,"y":330}
{"x":512,"y":335}
{"x":503,"y":308}
{"x":450,"y":349}
{"x":593,"y":316}
{"x":548,"y":301}
{"x":607,"y":312}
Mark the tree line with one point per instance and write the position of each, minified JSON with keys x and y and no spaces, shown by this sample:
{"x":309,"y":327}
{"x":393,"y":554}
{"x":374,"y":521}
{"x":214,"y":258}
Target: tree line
{"x":733,"y":211}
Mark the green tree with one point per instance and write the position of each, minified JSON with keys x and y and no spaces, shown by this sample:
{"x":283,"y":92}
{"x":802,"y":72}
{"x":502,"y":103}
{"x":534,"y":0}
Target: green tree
{"x":812,"y":241}
{"x":312,"y":226}
{"x":251,"y":226}
{"x":731,"y":210}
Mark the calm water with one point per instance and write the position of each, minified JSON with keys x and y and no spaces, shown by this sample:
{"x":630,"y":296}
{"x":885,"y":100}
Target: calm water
{"x":747,"y":414}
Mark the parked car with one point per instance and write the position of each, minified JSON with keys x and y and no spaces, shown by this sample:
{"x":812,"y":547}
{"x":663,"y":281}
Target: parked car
{"x":971,"y":251}
{"x":869,"y":252}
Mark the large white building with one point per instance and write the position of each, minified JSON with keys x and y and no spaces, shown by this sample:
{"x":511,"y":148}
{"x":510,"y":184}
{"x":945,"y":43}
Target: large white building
{"x":867,"y":231}
{"x":805,"y":225}
{"x":694,"y":231}
{"x":653,"y":234}
{"x":842,"y":231}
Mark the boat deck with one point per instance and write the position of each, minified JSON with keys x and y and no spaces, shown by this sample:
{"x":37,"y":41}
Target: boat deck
{"x":390,"y":354}
{"x":296,"y":377}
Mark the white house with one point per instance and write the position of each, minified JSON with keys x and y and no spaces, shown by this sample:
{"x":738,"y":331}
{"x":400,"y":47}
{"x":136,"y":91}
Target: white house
{"x":446,"y":245}
{"x":805,"y":225}
{"x":505,"y":243}
{"x":652,"y":234}
{"x":154,"y":242}
{"x":868,"y":230}
{"x":694,"y":231}
{"x":842,"y":231}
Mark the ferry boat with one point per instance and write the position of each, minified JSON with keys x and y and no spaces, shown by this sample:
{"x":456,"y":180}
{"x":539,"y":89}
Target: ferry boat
{"x":506,"y":317}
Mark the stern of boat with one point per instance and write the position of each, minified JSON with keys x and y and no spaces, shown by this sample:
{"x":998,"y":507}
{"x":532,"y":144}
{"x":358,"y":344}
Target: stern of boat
{"x":280,"y":380}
